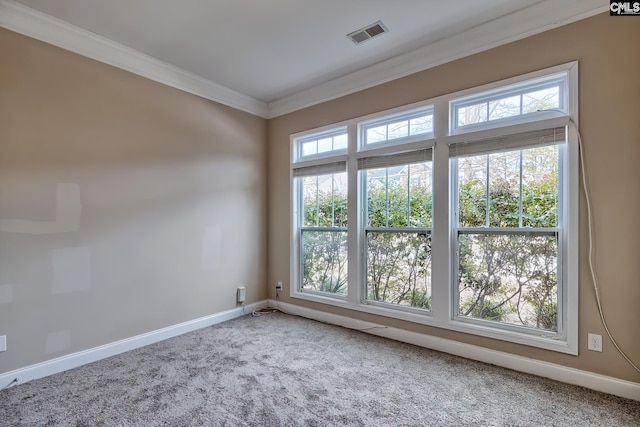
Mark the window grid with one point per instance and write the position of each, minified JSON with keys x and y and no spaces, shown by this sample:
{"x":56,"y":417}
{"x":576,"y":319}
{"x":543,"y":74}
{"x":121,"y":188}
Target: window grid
{"x":554,"y":87}
{"x":332,"y":142}
{"x":417,"y":124}
{"x":517,"y":304}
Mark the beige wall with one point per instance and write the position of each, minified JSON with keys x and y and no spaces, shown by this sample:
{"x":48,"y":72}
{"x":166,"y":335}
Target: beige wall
{"x":609,"y":61}
{"x":161,"y":174}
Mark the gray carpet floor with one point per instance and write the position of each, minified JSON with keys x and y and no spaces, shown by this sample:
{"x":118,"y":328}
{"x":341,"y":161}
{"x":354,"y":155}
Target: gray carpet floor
{"x":279,"y":370}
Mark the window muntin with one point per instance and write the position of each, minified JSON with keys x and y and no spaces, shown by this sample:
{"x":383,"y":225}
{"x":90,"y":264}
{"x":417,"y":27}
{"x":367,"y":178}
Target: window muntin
{"x":398,"y":229}
{"x":509,"y":103}
{"x":507,"y":236}
{"x":398,"y":128}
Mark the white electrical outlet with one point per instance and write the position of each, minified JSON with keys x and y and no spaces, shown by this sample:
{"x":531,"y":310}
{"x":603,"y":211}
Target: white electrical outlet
{"x":3,"y":343}
{"x":279,"y":286}
{"x":595,"y":342}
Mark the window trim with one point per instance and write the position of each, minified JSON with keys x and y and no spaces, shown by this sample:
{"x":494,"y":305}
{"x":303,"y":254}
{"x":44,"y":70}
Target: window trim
{"x":441,"y":315}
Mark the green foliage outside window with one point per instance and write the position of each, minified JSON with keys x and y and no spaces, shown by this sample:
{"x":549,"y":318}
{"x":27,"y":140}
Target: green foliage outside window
{"x":510,"y":278}
{"x":504,"y":277}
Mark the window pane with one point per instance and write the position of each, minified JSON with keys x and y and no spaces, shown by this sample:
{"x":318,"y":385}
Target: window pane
{"x":398,"y":129}
{"x":472,"y":114}
{"x":377,"y":197}
{"x":509,"y":278}
{"x":324,"y":259}
{"x":420,"y":194}
{"x":377,"y":134}
{"x":472,"y":191}
{"x":541,"y":100}
{"x":540,"y":187}
{"x":505,"y":107}
{"x":340,"y":199}
{"x":340,"y":142}
{"x":420,"y":125}
{"x":399,"y":268}
{"x":310,"y":201}
{"x":309,"y":148}
{"x":504,"y":189}
{"x":398,"y":196}
{"x":325,"y":200}
{"x":325,"y":144}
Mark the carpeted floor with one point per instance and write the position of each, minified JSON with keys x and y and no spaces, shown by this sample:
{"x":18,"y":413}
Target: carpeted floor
{"x":279,"y":370}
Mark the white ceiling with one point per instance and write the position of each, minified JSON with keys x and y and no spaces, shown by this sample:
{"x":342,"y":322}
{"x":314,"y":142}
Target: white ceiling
{"x":272,"y":50}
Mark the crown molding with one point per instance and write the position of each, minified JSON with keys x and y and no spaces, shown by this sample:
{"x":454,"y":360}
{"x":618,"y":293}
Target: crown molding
{"x":48,"y":29}
{"x":540,"y":17}
{"x":535,"y":19}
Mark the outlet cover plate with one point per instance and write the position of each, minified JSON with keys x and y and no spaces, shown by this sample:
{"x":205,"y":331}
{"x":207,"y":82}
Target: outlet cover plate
{"x":3,"y":343}
{"x":595,"y":342}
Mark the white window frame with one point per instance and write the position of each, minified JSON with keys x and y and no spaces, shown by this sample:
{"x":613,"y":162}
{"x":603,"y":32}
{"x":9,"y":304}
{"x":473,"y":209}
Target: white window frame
{"x":442,"y":314}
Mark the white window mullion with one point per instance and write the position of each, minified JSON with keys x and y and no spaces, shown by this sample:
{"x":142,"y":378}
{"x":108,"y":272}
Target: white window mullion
{"x":441,"y":292}
{"x":354,"y":220}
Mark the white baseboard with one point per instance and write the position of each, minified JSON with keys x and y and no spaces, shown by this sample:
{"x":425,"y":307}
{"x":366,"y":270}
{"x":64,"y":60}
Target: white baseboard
{"x":593,"y":381}
{"x":80,"y":358}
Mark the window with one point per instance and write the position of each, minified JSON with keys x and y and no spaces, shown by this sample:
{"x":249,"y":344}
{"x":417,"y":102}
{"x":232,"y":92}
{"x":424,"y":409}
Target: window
{"x":397,"y":229}
{"x":398,"y":129}
{"x":324,"y":233}
{"x":459,"y":212}
{"x":321,"y":194}
{"x":507,"y":231}
{"x":510,"y":102}
{"x":323,"y":144}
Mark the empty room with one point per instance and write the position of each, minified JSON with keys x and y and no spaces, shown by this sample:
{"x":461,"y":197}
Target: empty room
{"x":322,"y":213}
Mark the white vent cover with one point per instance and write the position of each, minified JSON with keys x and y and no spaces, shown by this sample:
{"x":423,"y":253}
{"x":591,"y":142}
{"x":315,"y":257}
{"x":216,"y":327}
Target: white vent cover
{"x":368,"y":32}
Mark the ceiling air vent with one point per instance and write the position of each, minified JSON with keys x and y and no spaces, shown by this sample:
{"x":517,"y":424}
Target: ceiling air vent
{"x":367,"y":32}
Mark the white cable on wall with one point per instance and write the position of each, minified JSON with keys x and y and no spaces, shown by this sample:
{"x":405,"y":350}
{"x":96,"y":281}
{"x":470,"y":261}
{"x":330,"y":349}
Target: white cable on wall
{"x":590,"y":235}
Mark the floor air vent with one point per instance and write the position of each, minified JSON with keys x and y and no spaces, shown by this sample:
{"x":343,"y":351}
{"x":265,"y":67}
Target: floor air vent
{"x":367,"y":32}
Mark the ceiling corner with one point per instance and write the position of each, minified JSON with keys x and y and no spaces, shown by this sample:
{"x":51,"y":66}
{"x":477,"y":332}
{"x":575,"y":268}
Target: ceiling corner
{"x":29,"y":22}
